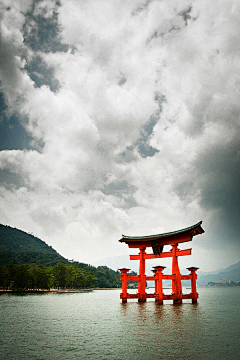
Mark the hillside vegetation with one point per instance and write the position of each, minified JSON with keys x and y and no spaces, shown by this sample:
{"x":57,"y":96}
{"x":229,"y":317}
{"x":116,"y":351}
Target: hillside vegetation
{"x":26,"y":262}
{"x":12,"y":239}
{"x":31,"y":257}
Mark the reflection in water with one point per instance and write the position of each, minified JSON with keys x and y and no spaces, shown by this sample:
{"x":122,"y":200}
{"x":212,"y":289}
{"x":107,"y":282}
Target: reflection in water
{"x":98,"y":326}
{"x":179,"y":331}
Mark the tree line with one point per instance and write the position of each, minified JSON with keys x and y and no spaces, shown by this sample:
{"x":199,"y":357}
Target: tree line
{"x":26,"y":277}
{"x":61,"y":276}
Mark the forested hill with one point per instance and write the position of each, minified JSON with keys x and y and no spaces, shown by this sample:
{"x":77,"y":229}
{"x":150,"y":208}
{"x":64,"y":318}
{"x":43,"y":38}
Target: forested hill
{"x":12,"y":239}
{"x":18,"y":247}
{"x":23,"y":253}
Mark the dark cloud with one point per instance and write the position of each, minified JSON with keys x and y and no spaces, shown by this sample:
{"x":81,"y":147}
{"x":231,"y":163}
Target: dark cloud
{"x":41,"y":32}
{"x":122,"y":190}
{"x":215,"y":176}
{"x":218,"y":174}
{"x":186,"y":14}
{"x":144,"y":148}
{"x":13,"y":135}
{"x":122,"y":81}
{"x":118,"y":188}
{"x":142,"y":144}
{"x":141,"y":7}
{"x":41,"y":74}
{"x":11,"y":180}
{"x":3,"y":106}
{"x":128,"y":155}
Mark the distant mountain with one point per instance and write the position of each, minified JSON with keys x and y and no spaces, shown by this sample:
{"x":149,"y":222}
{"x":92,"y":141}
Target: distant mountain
{"x":232,"y":272}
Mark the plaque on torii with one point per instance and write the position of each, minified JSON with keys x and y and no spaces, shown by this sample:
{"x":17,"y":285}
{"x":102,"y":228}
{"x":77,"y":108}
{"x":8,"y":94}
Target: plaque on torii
{"x":157,"y":242}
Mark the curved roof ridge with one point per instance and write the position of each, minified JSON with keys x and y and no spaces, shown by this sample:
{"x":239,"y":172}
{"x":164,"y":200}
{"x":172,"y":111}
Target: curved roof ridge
{"x":164,"y":234}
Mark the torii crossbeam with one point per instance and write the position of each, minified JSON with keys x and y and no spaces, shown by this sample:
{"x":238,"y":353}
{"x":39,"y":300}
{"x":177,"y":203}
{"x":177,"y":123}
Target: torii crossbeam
{"x":157,"y":242}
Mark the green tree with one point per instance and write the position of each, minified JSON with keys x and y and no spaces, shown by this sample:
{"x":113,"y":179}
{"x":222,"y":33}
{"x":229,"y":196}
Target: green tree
{"x":40,"y":277}
{"x":20,"y":277}
{"x":60,"y":275}
{"x":3,"y":277}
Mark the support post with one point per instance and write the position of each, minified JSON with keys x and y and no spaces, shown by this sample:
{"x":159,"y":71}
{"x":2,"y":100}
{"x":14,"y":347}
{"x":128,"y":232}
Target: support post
{"x":193,"y":283}
{"x":141,"y":282}
{"x":159,"y":285}
{"x":176,"y":280}
{"x":155,"y":280}
{"x":123,"y":277}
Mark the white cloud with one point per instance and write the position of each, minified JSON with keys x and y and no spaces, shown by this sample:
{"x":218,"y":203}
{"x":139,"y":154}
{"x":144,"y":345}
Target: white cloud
{"x":122,"y":55}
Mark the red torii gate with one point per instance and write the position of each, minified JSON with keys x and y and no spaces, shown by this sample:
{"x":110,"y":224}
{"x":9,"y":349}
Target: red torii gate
{"x":157,"y":243}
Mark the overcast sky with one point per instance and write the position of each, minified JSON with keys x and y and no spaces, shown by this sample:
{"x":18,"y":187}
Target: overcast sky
{"x":121,"y":117}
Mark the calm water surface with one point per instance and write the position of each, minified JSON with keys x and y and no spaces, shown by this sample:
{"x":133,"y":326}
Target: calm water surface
{"x":97,"y":325}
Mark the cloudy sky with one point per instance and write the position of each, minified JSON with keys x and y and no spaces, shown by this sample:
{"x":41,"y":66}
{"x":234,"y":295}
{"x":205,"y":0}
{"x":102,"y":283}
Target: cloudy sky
{"x":121,"y":117}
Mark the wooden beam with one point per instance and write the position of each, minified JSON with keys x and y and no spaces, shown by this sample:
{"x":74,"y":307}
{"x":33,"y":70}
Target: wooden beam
{"x":162,"y":255}
{"x":149,"y":278}
{"x":133,"y":278}
{"x":186,"y":277}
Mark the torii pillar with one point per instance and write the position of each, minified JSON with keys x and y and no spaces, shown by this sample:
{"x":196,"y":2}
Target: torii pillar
{"x":158,"y":284}
{"x":176,"y":280}
{"x":193,"y":284}
{"x":141,"y":282}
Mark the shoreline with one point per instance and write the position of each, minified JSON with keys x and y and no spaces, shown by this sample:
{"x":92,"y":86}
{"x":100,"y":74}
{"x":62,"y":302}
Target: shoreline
{"x":34,"y":291}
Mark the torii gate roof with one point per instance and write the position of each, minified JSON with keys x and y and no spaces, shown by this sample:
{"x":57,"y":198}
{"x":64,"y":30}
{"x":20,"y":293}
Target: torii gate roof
{"x":173,"y":237}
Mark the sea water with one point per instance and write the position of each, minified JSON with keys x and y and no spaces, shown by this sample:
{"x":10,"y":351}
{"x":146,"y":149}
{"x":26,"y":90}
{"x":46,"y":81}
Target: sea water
{"x":96,"y":325}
